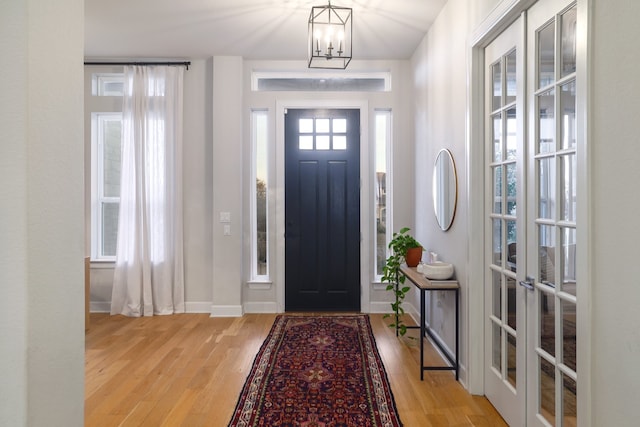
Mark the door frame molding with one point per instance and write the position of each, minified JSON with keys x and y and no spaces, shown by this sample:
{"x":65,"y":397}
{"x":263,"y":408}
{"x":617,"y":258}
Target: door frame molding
{"x":503,"y":15}
{"x":363,"y":106}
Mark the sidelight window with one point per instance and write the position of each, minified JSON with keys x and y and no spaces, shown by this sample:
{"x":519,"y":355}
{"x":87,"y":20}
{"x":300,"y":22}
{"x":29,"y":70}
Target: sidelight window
{"x":382,"y":203}
{"x":259,"y":198}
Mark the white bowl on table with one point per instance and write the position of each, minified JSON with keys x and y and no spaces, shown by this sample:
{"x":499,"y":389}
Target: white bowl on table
{"x":438,"y":270}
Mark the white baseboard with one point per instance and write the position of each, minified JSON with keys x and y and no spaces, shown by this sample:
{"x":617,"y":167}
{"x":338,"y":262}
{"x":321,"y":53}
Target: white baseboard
{"x":197,"y":307}
{"x":100,"y":307}
{"x":380,"y":307}
{"x":190,"y":307}
{"x":226,"y":311}
{"x":260,"y":307}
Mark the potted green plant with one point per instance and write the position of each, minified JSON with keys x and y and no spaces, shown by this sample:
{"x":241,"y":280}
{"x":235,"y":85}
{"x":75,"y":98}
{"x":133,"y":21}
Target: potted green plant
{"x":402,"y":245}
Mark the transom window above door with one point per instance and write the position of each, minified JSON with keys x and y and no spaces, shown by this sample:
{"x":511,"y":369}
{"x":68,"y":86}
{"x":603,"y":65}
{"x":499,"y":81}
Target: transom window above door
{"x":322,"y":134}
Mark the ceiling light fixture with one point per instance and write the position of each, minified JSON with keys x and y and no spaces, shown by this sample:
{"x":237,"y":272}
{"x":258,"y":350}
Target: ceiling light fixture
{"x":330,"y":30}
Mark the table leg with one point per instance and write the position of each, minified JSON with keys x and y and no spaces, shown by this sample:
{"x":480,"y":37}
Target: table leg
{"x":422,"y":333}
{"x":457,"y":333}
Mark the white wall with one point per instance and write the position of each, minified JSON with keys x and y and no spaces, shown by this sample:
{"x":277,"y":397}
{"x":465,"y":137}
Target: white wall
{"x":228,"y":165}
{"x":41,"y":214}
{"x":615,"y":202}
{"x":440,"y":69}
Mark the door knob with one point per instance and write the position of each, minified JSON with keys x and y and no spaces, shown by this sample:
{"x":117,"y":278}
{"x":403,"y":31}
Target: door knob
{"x":528,"y":283}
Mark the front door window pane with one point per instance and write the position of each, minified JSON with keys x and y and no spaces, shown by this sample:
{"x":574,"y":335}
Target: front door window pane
{"x":306,"y":125}
{"x":322,"y":125}
{"x":339,"y":142}
{"x":305,"y":142}
{"x":339,"y":125}
{"x":323,"y":142}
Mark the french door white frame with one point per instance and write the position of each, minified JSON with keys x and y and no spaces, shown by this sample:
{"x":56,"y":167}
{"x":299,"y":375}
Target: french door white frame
{"x":500,"y":18}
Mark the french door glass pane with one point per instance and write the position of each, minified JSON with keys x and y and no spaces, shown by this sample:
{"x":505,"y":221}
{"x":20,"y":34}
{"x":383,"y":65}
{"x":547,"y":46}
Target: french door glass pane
{"x":512,"y":188}
{"x":510,"y":63}
{"x":512,"y":308}
{"x":496,"y":361}
{"x":569,"y":260}
{"x":497,"y":294}
{"x":511,"y":134}
{"x":497,"y":189}
{"x":569,"y":401}
{"x":546,"y":55}
{"x":568,"y":110}
{"x":511,"y":359}
{"x":568,"y":183}
{"x":569,"y":335}
{"x":546,"y":255}
{"x":547,"y":322}
{"x":497,"y":137}
{"x":546,"y":122}
{"x":496,"y":71}
{"x":546,"y":183}
{"x":497,"y":242}
{"x":568,"y":47}
{"x":547,"y":391}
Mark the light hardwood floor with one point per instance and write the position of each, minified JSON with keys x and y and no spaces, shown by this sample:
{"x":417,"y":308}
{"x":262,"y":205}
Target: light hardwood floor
{"x":188,"y":370}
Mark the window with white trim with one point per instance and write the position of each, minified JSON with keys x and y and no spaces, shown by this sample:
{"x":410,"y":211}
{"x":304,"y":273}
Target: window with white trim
{"x":259,"y":196}
{"x":106,"y":137}
{"x":382,"y":201}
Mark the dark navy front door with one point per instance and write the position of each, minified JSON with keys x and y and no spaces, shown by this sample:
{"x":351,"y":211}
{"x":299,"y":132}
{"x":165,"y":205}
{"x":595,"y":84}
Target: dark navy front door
{"x":322,"y":210}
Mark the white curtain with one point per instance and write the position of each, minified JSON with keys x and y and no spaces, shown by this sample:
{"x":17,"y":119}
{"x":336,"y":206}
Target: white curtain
{"x":149,"y":274}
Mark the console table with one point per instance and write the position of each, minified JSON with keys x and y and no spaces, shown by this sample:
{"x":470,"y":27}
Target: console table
{"x":424,"y":285}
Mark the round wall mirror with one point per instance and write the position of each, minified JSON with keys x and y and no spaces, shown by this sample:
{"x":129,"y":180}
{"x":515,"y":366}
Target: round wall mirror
{"x":445,"y":189}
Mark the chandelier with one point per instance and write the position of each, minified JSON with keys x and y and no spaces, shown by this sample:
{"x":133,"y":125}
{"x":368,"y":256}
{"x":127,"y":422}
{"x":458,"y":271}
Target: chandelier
{"x":330,"y":29}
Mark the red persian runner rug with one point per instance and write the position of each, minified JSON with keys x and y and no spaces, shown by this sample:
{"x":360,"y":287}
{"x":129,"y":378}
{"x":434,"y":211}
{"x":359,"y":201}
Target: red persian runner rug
{"x":317,"y":371}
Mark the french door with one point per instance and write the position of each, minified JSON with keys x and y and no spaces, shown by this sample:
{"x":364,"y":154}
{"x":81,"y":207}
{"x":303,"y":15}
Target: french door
{"x":530,"y":276}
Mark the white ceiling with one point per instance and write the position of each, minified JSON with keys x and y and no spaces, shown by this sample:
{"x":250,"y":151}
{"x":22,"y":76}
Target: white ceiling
{"x":253,"y":29}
